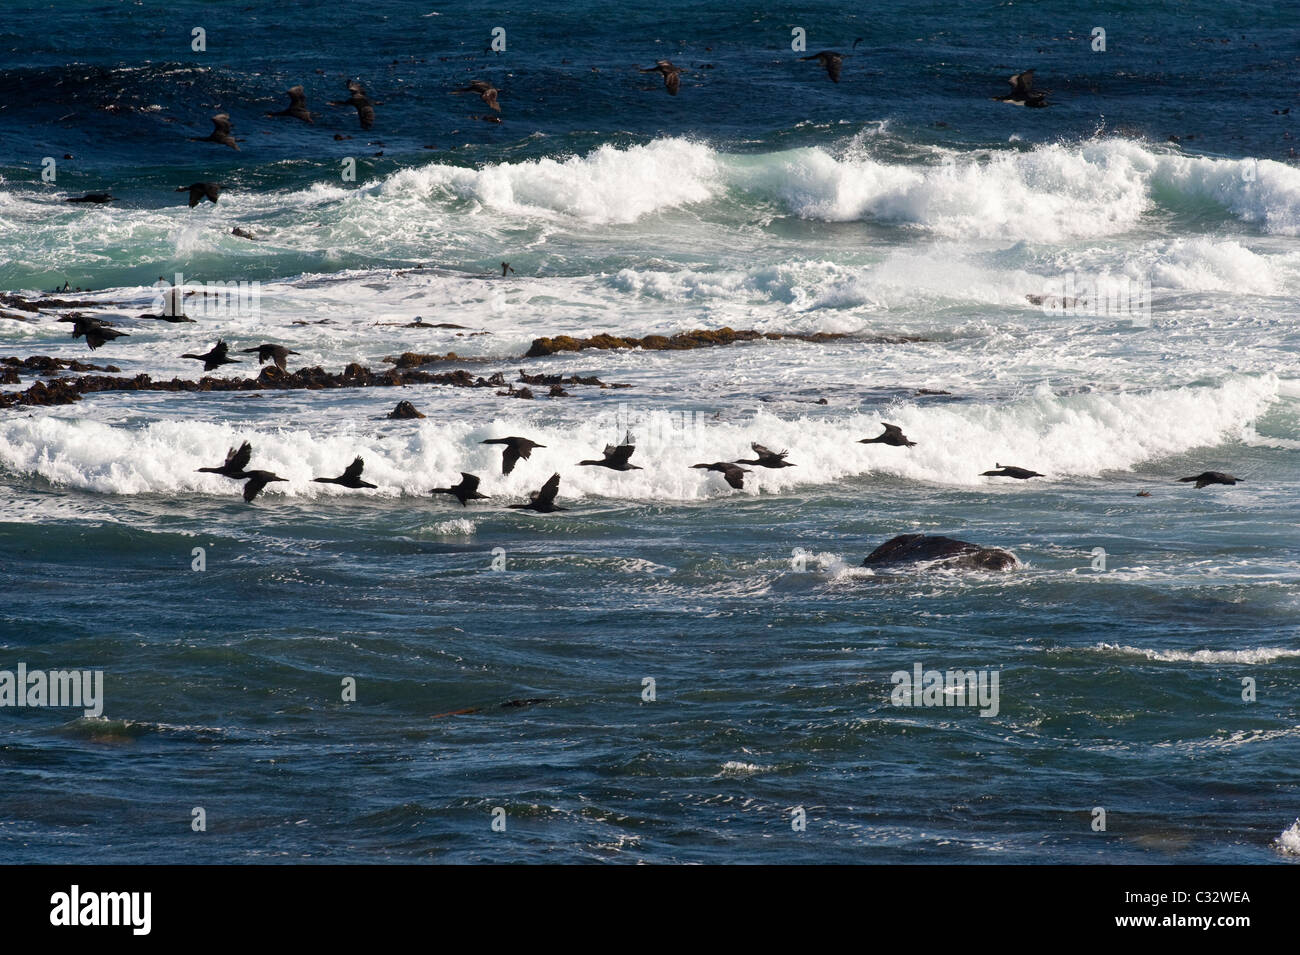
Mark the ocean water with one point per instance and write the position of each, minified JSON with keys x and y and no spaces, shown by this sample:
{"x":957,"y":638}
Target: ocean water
{"x":901,"y":208}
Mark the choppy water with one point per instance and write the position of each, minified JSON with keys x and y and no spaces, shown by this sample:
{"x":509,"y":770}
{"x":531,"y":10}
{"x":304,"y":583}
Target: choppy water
{"x":762,"y":197}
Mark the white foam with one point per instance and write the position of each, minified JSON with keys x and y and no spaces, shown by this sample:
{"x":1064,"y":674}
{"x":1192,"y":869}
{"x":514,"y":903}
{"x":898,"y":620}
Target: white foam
{"x":1061,"y":436}
{"x":1256,"y":655}
{"x":1288,"y":843}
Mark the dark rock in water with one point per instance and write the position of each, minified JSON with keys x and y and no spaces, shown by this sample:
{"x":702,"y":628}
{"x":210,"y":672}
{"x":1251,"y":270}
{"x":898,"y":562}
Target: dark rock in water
{"x":44,"y":364}
{"x":698,"y":338}
{"x":914,"y":548}
{"x":557,"y":391}
{"x":404,"y":410}
{"x":62,"y":391}
{"x":10,"y":377}
{"x":513,"y":392}
{"x":553,"y":380}
{"x":414,"y":359}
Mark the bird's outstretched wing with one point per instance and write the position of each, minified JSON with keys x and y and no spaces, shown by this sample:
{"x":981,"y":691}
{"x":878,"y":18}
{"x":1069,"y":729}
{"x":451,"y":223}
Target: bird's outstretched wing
{"x":551,"y":488}
{"x":619,"y":454}
{"x":354,"y":469}
{"x":238,"y":458}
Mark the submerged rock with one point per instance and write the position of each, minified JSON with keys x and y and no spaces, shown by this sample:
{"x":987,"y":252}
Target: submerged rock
{"x":915,"y":548}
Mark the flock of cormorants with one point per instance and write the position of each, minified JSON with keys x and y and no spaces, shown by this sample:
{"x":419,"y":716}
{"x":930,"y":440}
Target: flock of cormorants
{"x":615,"y":457}
{"x":1022,"y":94}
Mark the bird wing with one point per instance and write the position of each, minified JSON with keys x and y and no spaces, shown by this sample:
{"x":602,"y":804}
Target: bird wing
{"x":490,"y":97}
{"x":469,"y":482}
{"x":219,"y":350}
{"x":893,"y":429}
{"x":509,"y":458}
{"x":551,"y":488}
{"x":356,"y":88}
{"x":673,"y":82}
{"x":619,"y":454}
{"x":734,"y":475}
{"x":238,"y":458}
{"x":210,"y":189}
{"x":834,"y":62}
{"x":1023,"y":82}
{"x":366,"y":113}
{"x":354,"y":469}
{"x":524,"y":448}
{"x":254,"y":486}
{"x":221,"y":124}
{"x":297,"y":97}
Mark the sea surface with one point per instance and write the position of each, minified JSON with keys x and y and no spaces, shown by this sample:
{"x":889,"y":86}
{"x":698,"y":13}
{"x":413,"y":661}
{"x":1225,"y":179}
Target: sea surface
{"x":670,"y":670}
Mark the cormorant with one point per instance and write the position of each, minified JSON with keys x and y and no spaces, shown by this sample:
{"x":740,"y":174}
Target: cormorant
{"x":351,"y":476}
{"x":516,"y":448}
{"x":542,"y":501}
{"x":466,"y":490}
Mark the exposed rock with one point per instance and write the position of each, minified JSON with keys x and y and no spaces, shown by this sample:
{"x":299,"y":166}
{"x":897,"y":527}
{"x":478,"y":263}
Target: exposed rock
{"x":561,"y":380}
{"x":914,"y":548}
{"x":404,"y":410}
{"x":44,"y":364}
{"x":698,"y":338}
{"x":67,"y":390}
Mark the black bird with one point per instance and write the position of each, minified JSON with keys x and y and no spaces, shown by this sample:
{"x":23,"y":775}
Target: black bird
{"x":201,"y":190}
{"x":258,"y":480}
{"x":215,"y":358}
{"x":485,"y":90}
{"x":615,"y":458}
{"x":672,"y":75}
{"x":265,"y":353}
{"x":1023,"y":92}
{"x":829,"y":59}
{"x":1212,"y":477}
{"x":734,"y":475}
{"x":96,"y":333}
{"x":466,"y":490}
{"x":95,"y":197}
{"x":236,"y":460}
{"x":516,"y":448}
{"x":351,"y":476}
{"x":1007,"y":470}
{"x":505,"y":267}
{"x":297,"y":108}
{"x":543,"y":501}
{"x":365,"y":108}
{"x":220,"y":133}
{"x":769,"y":459}
{"x":892,"y":435}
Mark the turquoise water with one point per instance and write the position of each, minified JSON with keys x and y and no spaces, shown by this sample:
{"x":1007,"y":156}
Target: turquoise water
{"x":912,"y":216}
